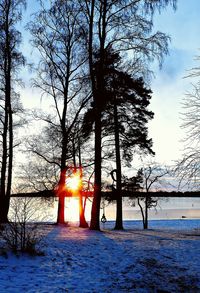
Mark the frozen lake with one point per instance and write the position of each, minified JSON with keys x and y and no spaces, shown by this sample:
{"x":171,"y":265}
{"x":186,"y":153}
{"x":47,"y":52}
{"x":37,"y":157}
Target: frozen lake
{"x":170,"y":208}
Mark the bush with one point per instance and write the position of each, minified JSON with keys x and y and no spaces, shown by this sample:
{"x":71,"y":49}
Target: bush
{"x":21,"y":234}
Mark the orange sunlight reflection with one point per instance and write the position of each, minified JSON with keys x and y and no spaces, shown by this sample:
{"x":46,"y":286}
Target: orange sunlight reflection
{"x":72,"y":209}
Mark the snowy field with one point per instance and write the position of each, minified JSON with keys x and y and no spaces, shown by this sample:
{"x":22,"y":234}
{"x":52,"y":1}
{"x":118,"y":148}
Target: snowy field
{"x":165,"y":258}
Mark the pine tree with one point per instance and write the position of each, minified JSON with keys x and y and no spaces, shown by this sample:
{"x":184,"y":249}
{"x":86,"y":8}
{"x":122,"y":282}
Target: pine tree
{"x":124,"y":117}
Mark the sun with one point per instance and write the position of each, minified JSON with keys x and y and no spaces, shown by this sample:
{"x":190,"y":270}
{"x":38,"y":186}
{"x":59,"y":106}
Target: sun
{"x":73,"y":182}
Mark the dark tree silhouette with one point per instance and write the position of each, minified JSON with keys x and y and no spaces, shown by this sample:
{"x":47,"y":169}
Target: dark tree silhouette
{"x":124,"y":116}
{"x":124,"y":26}
{"x":152,"y":179}
{"x":10,"y":62}
{"x":127,"y":116}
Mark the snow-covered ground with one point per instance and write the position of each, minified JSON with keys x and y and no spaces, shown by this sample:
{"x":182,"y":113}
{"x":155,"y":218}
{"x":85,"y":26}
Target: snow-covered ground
{"x":165,"y":258}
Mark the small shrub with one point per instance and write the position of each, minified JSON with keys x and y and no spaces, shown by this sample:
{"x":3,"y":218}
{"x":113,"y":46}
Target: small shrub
{"x":21,"y":234}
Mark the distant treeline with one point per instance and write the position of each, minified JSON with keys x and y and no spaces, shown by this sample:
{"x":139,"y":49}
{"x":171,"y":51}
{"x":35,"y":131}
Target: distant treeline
{"x":111,"y":195}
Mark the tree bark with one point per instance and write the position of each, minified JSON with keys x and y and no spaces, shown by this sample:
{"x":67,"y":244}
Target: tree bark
{"x":95,"y":213}
{"x":7,"y":127}
{"x":82,"y":221}
{"x":61,"y":198}
{"x":61,"y":185}
{"x":119,"y":215}
{"x":99,"y":98}
{"x":146,"y":213}
{"x":142,"y":212}
{"x":4,"y":204}
{"x":10,"y":158}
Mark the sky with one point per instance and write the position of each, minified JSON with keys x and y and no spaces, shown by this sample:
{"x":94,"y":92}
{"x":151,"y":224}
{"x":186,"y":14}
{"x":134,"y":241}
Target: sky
{"x":169,"y":85}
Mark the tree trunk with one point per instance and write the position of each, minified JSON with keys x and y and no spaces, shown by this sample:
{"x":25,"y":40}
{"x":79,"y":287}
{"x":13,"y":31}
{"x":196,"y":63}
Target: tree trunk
{"x":10,"y":160}
{"x":98,"y":97}
{"x":4,"y":208}
{"x":142,"y":212}
{"x":82,"y":221}
{"x":62,"y":192}
{"x":5,"y":195}
{"x":119,"y":215}
{"x":95,"y":213}
{"x":4,"y":204}
{"x":61,"y":210}
{"x":146,"y":213}
{"x":61,"y":198}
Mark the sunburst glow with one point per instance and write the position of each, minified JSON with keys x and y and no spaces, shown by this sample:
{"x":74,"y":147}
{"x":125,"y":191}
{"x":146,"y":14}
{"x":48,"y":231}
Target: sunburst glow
{"x":74,"y":182}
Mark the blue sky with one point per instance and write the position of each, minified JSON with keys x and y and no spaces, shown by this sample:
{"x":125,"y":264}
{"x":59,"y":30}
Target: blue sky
{"x":169,"y":85}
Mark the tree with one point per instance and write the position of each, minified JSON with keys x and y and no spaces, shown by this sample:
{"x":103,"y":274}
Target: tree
{"x":124,"y":117}
{"x":122,"y":26}
{"x":11,"y":60}
{"x":147,"y":178}
{"x":57,"y":36}
{"x":187,"y":167}
{"x":127,"y":116}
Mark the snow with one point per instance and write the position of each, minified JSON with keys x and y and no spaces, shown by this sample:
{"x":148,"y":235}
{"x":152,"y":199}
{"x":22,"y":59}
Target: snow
{"x":164,"y":258}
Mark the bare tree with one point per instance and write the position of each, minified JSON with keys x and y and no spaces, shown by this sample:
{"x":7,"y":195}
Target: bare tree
{"x":187,"y":168}
{"x":11,"y":60}
{"x":151,"y":178}
{"x":57,"y":36}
